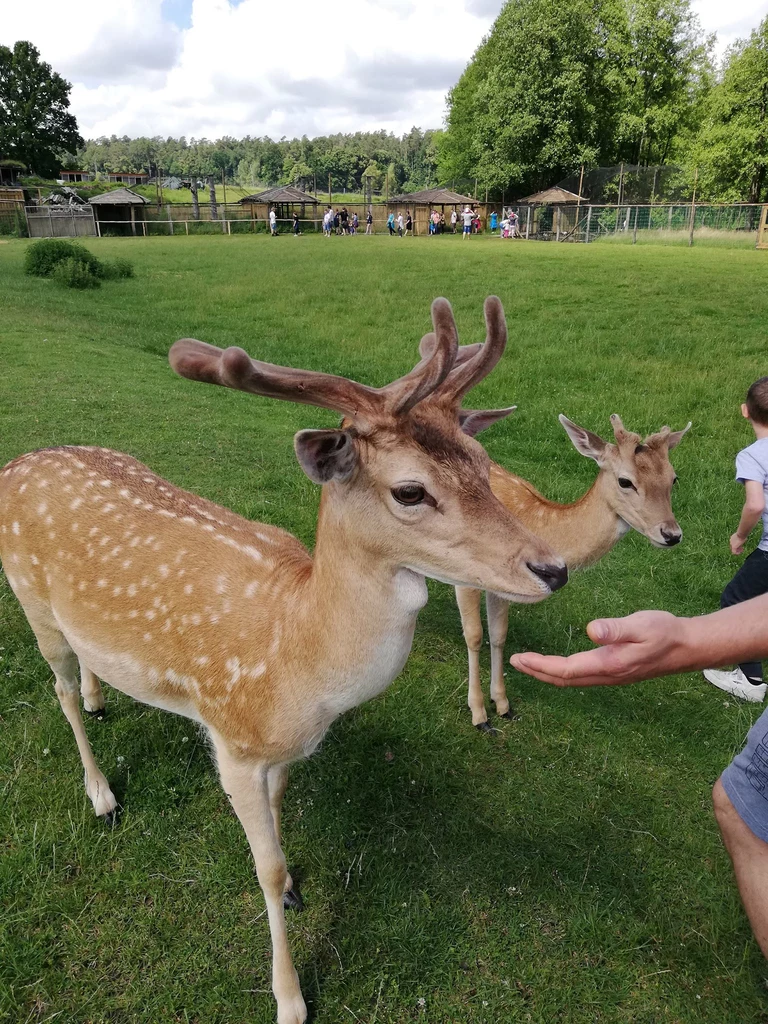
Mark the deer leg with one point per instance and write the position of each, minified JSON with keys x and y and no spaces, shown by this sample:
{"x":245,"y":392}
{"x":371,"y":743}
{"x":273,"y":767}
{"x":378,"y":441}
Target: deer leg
{"x":90,"y":689}
{"x":277,"y":779}
{"x":498,"y":622}
{"x":60,"y":656}
{"x":247,"y":786}
{"x":468,"y":601}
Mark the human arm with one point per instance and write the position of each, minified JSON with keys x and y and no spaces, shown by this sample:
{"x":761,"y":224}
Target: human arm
{"x":653,"y":643}
{"x":754,"y":506}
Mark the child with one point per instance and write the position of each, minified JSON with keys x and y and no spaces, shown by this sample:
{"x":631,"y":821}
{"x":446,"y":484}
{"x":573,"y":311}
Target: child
{"x":296,"y":226}
{"x":391,"y":223}
{"x":746,"y":681}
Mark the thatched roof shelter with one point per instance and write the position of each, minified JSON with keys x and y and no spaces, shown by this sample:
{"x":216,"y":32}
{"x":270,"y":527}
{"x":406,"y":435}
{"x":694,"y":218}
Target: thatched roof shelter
{"x":433,"y":197}
{"x":10,"y":170}
{"x":119,"y":211}
{"x":281,"y":195}
{"x":550,"y":197}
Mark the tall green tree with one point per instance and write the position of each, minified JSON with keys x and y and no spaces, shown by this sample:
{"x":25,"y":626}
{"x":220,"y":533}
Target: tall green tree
{"x":731,"y":150}
{"x":556,"y":85}
{"x":665,"y":73}
{"x":35,"y":124}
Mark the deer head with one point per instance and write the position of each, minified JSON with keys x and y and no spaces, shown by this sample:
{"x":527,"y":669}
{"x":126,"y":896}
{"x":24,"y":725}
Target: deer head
{"x":640,"y":474}
{"x":401,"y":479}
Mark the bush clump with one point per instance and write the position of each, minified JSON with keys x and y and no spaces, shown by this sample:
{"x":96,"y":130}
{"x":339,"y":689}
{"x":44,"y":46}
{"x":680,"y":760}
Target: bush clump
{"x":118,"y":267}
{"x":73,"y":273}
{"x":43,"y":256}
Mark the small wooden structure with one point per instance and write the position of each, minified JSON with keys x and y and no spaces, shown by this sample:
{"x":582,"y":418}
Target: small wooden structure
{"x":10,"y":170}
{"x":128,"y":178}
{"x":422,"y":203}
{"x":762,"y":231}
{"x":555,"y":211}
{"x":69,"y":177}
{"x":119,"y":212}
{"x":284,"y":199}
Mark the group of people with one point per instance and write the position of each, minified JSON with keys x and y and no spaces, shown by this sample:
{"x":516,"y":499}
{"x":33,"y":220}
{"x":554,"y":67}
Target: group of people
{"x":655,"y":643}
{"x":340,"y":222}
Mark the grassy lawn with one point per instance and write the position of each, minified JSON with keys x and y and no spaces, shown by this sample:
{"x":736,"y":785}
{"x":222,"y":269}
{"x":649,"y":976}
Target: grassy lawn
{"x":567,"y":870}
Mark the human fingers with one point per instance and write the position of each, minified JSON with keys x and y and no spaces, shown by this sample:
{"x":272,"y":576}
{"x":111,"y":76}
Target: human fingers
{"x":588,"y":668}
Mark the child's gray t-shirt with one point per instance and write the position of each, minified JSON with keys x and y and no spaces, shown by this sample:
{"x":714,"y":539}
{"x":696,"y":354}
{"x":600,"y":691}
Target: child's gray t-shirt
{"x":752,"y":464}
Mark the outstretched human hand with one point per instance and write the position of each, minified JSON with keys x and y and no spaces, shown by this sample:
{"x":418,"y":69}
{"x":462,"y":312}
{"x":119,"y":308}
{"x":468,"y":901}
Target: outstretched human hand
{"x":640,"y":646}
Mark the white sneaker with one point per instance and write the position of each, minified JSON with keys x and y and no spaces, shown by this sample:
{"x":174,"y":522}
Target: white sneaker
{"x":736,"y":682}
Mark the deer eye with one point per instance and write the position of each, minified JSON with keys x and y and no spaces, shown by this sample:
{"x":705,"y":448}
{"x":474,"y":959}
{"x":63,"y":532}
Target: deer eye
{"x":409,"y":494}
{"x":623,"y":482}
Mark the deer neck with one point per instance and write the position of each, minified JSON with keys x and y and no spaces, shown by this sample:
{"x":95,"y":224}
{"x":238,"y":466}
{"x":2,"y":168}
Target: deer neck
{"x":589,"y":527}
{"x":360,"y":608}
{"x":582,"y":531}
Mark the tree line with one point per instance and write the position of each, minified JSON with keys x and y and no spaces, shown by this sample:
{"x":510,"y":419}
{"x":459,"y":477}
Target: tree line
{"x":388,"y":162}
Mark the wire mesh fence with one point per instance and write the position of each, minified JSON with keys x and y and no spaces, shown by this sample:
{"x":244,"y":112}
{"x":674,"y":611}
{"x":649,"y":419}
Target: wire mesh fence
{"x":668,"y":224}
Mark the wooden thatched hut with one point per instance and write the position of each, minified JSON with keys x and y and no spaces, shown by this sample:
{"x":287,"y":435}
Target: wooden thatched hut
{"x":119,"y":212}
{"x":284,"y":199}
{"x":422,"y":203}
{"x":553,"y":212}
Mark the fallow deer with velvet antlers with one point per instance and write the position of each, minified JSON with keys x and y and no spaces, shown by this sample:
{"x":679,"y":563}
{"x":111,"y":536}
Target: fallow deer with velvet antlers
{"x":633,"y":490}
{"x":184,"y":605}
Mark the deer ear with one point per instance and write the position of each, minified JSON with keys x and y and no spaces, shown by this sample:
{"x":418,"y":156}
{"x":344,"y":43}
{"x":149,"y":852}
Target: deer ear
{"x":472,"y":421}
{"x":584,"y":441}
{"x":676,"y":436}
{"x":326,"y":455}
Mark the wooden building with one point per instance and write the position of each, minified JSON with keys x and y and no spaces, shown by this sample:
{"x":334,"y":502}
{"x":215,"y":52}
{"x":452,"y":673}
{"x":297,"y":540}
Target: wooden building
{"x":422,"y":203}
{"x":284,"y":199}
{"x":70,"y":177}
{"x":551,"y":213}
{"x":120,"y":212}
{"x":10,"y":171}
{"x":128,"y":178}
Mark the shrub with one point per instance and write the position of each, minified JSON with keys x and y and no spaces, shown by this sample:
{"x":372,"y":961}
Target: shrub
{"x":42,"y":257}
{"x":118,"y":267}
{"x":74,"y":273}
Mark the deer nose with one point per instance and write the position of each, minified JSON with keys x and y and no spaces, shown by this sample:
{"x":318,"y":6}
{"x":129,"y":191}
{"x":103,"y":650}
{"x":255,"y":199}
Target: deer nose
{"x":671,"y":537}
{"x":555,"y":576}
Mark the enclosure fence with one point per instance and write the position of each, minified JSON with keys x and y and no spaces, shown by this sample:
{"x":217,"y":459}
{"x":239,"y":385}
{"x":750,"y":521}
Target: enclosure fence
{"x":674,"y":223}
{"x":667,"y":224}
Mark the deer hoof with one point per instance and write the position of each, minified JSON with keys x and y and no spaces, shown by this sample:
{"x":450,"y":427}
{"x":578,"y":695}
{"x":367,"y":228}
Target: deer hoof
{"x":98,"y":713}
{"x":110,"y":819}
{"x":510,"y":717}
{"x":487,"y":728}
{"x":292,"y":899}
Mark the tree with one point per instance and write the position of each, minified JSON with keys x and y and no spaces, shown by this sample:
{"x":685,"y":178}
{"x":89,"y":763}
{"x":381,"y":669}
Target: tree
{"x":731,"y":150}
{"x":556,"y":85}
{"x":665,"y":74}
{"x":35,"y":125}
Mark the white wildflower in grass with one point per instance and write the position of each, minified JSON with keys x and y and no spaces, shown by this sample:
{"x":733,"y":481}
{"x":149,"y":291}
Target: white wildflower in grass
{"x":46,"y":751}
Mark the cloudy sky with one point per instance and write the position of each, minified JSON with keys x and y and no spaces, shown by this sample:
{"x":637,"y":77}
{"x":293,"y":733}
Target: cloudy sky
{"x":206,"y":68}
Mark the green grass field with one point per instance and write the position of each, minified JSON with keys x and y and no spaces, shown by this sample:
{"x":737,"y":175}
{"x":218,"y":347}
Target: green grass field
{"x":568,"y":869}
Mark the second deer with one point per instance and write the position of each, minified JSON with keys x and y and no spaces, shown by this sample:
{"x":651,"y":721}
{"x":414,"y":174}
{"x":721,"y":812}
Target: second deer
{"x":633,"y":490}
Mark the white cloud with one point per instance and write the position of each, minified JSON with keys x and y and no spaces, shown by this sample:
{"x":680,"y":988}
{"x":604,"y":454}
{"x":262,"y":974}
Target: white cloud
{"x":258,"y":68}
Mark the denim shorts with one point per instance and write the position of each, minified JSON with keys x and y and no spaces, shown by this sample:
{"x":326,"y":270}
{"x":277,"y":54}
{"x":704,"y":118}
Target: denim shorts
{"x":745,"y":780}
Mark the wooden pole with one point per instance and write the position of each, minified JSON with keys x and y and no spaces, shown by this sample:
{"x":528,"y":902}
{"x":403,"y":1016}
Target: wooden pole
{"x":224,"y":186}
{"x":330,"y":201}
{"x":621,"y":184}
{"x":634,"y":228}
{"x":528,"y":224}
{"x":578,"y":201}
{"x":693,"y":206}
{"x":589,"y":218}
